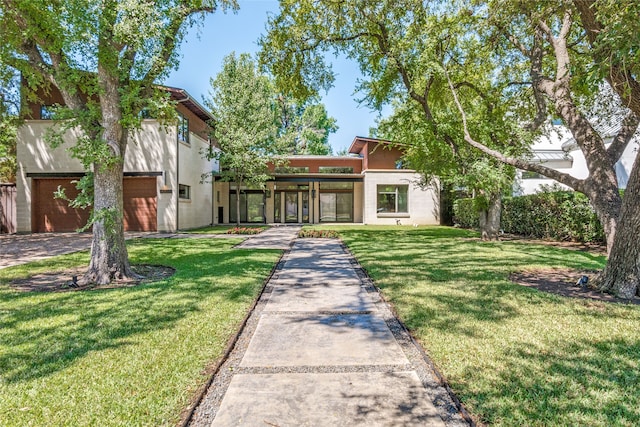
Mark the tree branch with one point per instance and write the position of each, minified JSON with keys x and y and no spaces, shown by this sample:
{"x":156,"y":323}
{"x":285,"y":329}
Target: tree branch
{"x":620,"y":79}
{"x":168,"y":44}
{"x":563,"y":178}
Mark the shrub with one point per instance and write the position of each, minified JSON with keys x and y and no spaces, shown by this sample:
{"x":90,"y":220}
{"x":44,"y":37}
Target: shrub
{"x":465,"y":214}
{"x":244,"y":230}
{"x":555,"y":215}
{"x":327,"y":234}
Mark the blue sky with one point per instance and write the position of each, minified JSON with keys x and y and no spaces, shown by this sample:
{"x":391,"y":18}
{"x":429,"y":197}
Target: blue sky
{"x":222,"y":34}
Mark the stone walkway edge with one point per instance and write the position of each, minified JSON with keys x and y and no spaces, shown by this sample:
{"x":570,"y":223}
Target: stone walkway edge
{"x":204,"y":411}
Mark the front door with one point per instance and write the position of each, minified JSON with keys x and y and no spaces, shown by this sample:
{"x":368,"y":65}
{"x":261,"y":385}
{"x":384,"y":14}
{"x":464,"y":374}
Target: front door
{"x":290,"y":207}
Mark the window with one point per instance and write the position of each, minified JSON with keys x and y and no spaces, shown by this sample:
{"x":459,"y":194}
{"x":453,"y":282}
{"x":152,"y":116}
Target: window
{"x":393,"y":199}
{"x":336,"y":185}
{"x":46,"y":112}
{"x":335,"y":169}
{"x":184,"y":192}
{"x":291,"y":169}
{"x":183,"y":129}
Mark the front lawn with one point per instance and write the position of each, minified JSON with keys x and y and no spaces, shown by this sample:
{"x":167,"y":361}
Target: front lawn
{"x":513,"y":355}
{"x":129,"y":356}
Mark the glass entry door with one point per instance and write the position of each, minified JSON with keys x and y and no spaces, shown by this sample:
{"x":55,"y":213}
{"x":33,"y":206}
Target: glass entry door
{"x":290,"y":207}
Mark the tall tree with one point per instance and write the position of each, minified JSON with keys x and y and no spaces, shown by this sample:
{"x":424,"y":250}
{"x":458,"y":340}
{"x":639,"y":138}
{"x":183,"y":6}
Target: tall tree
{"x":401,"y":50}
{"x":245,"y":130}
{"x":539,"y":64}
{"x":304,"y":127}
{"x":104,"y":57}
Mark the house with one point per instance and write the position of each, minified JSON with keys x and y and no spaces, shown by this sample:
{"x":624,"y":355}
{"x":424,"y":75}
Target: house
{"x":559,"y":150}
{"x":370,"y":186}
{"x":162,"y":172}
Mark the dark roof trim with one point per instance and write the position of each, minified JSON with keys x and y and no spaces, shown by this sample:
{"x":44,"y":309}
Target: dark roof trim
{"x":359,"y":142}
{"x":182,"y":97}
{"x":315,"y":179}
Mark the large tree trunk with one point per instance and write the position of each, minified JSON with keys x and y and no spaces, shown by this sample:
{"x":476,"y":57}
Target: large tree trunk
{"x":490,"y":218}
{"x":109,"y":256}
{"x":621,"y":275}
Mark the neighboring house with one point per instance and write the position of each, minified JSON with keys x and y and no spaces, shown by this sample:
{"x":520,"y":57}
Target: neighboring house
{"x":162,"y":173}
{"x":369,"y":187}
{"x":559,"y":150}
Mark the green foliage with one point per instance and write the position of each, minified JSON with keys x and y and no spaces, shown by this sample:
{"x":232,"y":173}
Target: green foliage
{"x":304,"y":127}
{"x":244,"y":128}
{"x":8,"y":129}
{"x":465,"y":213}
{"x":554,"y":215}
{"x":557,"y":215}
{"x":316,"y":233}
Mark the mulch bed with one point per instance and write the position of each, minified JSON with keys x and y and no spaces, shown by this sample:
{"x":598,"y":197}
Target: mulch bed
{"x":62,"y":281}
{"x":563,"y":282}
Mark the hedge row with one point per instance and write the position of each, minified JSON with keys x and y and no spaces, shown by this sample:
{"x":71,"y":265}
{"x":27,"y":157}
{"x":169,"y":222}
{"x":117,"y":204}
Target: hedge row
{"x":558,"y":215}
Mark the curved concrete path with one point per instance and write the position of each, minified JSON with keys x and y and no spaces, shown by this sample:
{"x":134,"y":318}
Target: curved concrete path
{"x":322,"y":349}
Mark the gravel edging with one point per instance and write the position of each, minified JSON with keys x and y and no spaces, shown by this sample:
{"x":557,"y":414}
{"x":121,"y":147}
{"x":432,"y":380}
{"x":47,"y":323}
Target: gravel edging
{"x":447,"y":405}
{"x":219,"y":378}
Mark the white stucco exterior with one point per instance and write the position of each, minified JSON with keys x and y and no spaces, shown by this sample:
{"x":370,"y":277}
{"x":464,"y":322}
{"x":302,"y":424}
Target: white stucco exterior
{"x":152,"y":151}
{"x":560,"y":140}
{"x":423,"y":203}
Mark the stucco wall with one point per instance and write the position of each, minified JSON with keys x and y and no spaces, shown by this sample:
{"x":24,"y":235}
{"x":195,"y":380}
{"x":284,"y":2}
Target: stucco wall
{"x":151,"y":149}
{"x":422,"y":203}
{"x":198,"y":211}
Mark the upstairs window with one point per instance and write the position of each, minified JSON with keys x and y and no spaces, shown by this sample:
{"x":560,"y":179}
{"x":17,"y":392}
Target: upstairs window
{"x":393,"y":199}
{"x":183,"y":129}
{"x":46,"y":112}
{"x":335,"y":169}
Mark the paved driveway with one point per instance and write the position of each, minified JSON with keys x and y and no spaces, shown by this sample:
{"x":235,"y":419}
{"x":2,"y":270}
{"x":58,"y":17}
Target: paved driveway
{"x":18,"y":249}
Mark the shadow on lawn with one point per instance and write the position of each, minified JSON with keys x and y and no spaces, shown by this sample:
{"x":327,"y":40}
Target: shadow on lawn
{"x":441,"y":282}
{"x":46,"y":332}
{"x":575,"y":383}
{"x":473,"y":276}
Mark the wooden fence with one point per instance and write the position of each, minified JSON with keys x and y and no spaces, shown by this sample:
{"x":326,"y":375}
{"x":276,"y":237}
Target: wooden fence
{"x":8,"y":208}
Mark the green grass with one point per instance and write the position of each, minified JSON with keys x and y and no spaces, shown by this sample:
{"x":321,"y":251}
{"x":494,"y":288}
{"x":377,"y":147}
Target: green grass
{"x":131,"y":356}
{"x":222,"y":229}
{"x":514,"y":355}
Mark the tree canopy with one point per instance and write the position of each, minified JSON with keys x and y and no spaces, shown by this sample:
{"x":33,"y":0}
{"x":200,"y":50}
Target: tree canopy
{"x":488,"y":76}
{"x":104,"y":57}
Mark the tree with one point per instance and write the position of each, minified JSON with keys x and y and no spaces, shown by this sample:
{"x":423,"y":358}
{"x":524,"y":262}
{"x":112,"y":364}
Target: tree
{"x":104,"y":57}
{"x":537,"y":64}
{"x":244,"y":128}
{"x":392,"y":43}
{"x":8,"y":127}
{"x":304,"y":127}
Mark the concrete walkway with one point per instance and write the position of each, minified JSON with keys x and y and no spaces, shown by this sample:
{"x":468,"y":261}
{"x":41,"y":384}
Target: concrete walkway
{"x":322,"y":349}
{"x":278,"y":237}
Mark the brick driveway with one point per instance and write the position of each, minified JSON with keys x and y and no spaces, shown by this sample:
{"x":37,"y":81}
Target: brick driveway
{"x":18,"y":249}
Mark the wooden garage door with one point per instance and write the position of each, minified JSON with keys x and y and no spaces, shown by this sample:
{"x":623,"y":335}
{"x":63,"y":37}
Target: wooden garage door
{"x":140,"y":204}
{"x":55,"y":215}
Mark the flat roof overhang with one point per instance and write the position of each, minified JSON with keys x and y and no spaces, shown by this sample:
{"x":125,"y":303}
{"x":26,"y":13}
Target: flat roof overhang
{"x":316,"y":177}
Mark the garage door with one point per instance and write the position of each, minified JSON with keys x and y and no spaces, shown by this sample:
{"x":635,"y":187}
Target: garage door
{"x":55,"y":215}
